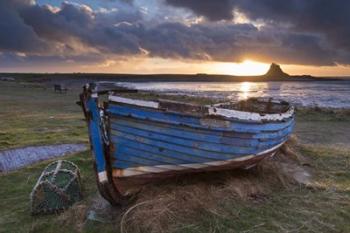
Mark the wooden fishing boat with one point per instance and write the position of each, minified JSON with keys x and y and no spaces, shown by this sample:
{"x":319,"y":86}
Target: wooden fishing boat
{"x":134,"y":141}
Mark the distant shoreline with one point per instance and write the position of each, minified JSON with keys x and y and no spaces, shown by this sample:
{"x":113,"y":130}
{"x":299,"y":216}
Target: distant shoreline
{"x":89,"y":77}
{"x":275,"y":73}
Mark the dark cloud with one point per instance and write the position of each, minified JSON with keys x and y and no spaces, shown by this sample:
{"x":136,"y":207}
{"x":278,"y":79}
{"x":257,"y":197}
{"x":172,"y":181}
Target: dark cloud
{"x":330,"y":19}
{"x":77,"y":33}
{"x":15,"y":35}
{"x":233,"y":43}
{"x":74,"y":24}
{"x":213,"y":10}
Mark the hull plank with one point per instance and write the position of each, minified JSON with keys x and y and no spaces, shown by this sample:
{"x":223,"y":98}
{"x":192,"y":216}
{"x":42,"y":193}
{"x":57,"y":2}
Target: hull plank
{"x":156,"y":149}
{"x":162,"y":151}
{"x":204,"y":142}
{"x":151,"y":172}
{"x":190,"y":133}
{"x":204,"y":134}
{"x":160,"y":146}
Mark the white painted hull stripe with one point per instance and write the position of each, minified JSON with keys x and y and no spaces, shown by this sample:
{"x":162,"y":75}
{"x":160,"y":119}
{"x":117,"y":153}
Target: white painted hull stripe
{"x":249,"y":115}
{"x":142,"y":103}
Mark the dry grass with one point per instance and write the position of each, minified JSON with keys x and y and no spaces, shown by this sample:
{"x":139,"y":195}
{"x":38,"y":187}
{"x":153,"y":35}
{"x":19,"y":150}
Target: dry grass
{"x":36,"y":116}
{"x":75,"y":217}
{"x":168,"y":207}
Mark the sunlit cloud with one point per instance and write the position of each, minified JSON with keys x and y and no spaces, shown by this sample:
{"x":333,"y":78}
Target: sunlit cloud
{"x":240,"y":18}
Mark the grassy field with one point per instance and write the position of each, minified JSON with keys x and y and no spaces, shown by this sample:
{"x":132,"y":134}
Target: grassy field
{"x":33,"y":115}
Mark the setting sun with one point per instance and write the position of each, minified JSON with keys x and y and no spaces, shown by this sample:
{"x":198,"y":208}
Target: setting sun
{"x":245,"y":68}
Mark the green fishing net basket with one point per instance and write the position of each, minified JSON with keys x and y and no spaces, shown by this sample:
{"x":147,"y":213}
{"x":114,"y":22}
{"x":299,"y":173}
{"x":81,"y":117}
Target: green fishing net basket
{"x":57,"y":188}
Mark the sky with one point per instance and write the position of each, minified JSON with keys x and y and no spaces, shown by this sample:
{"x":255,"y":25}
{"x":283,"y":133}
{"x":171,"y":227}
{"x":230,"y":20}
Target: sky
{"x":239,"y":37}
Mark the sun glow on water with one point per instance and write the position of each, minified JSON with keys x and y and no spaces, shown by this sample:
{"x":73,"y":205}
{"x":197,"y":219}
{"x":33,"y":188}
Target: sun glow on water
{"x":244,"y":90}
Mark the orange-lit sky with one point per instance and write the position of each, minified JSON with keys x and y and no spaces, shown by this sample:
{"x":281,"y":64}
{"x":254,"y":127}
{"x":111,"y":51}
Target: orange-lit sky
{"x":172,"y":66}
{"x":165,"y":66}
{"x":175,"y":36}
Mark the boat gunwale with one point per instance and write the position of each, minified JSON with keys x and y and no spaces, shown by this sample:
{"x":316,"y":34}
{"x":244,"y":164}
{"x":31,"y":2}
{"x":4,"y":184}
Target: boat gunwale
{"x":111,"y":112}
{"x":208,"y":110}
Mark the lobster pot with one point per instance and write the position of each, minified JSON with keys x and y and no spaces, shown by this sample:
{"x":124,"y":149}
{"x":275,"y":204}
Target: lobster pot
{"x":57,"y":188}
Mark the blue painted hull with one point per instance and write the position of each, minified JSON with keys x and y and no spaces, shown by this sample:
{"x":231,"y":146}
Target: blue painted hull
{"x":144,"y":139}
{"x":130,"y":141}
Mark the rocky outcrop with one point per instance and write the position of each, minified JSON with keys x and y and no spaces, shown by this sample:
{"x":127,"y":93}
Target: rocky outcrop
{"x":276,"y":72}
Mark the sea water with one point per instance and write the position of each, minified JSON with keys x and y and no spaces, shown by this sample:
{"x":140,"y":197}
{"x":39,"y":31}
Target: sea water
{"x":329,"y":94}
